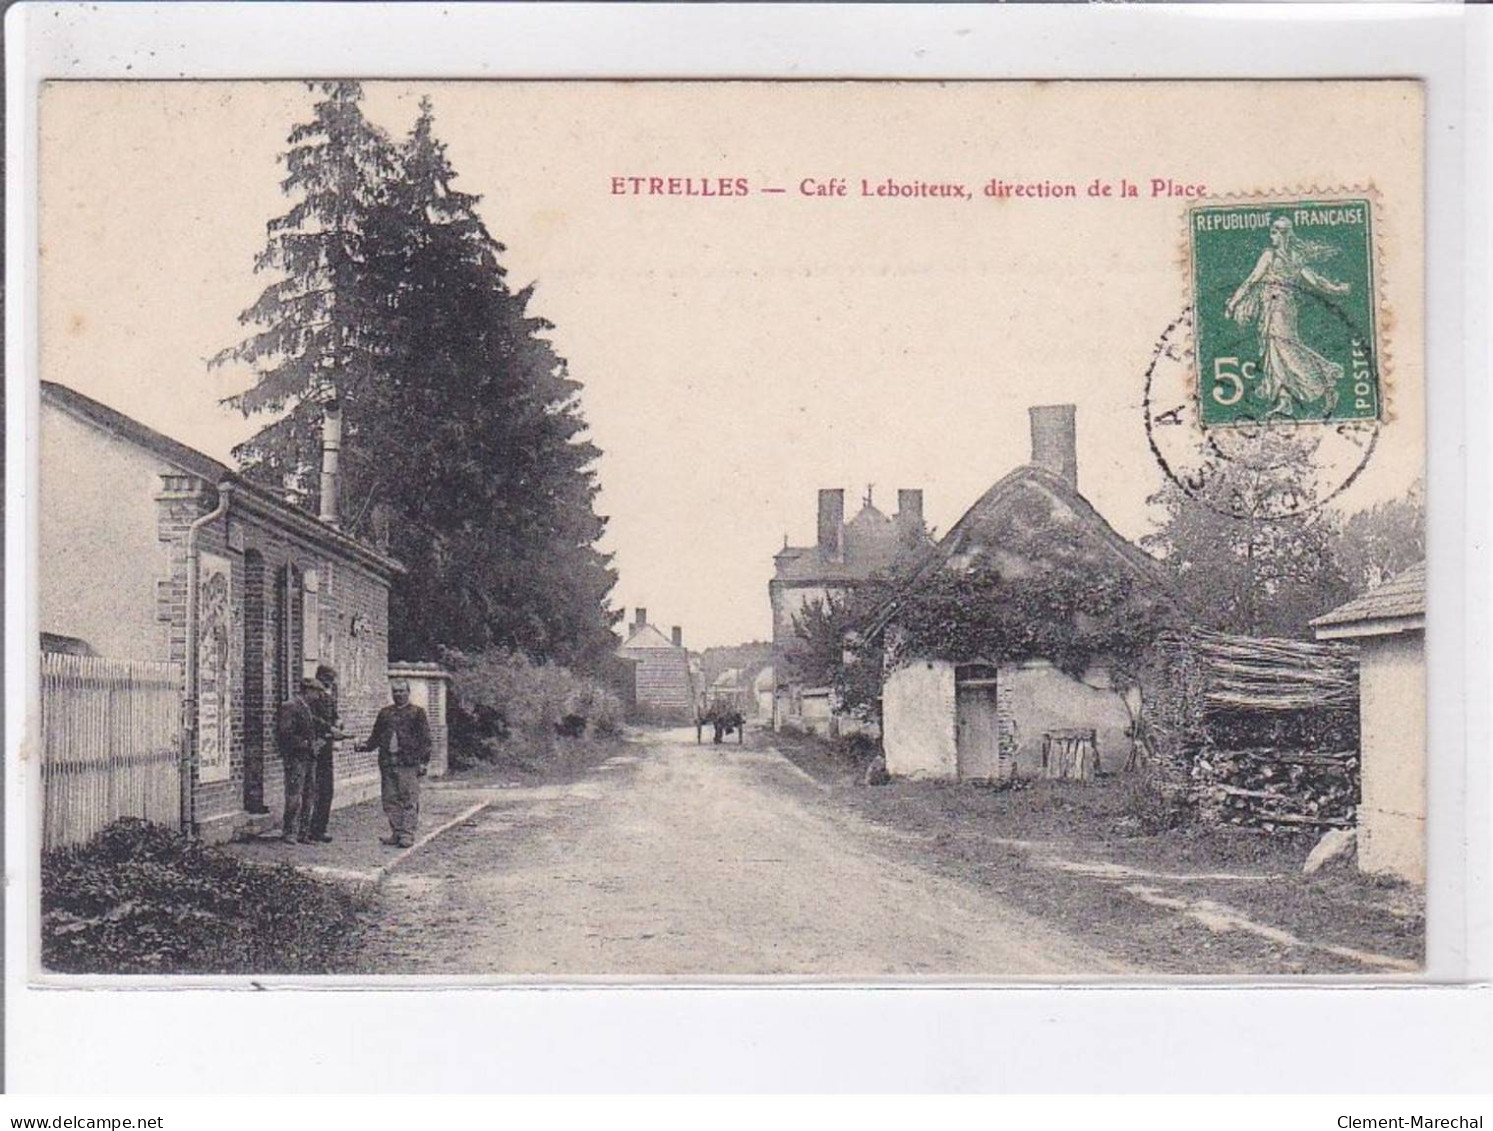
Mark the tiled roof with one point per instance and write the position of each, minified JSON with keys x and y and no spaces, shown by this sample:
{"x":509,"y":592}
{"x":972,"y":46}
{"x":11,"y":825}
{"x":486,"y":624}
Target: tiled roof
{"x":648,"y":637}
{"x":1403,"y":595}
{"x":871,"y":541}
{"x":805,"y":563}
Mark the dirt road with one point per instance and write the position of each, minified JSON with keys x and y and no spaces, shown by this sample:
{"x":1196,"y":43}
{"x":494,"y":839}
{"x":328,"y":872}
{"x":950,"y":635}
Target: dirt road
{"x":685,"y":860}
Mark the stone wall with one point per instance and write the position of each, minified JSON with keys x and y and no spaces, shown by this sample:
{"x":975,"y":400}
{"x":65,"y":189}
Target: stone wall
{"x":665,"y":691}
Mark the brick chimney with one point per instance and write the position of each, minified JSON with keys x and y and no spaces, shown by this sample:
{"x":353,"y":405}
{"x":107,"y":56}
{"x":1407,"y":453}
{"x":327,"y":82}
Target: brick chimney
{"x":910,"y":510}
{"x":832,"y":524}
{"x":639,"y":618}
{"x":1054,"y":442}
{"x":331,"y":454}
{"x":677,"y":635}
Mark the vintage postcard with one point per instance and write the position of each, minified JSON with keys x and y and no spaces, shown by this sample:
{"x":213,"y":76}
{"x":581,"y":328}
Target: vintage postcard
{"x":823,"y":531}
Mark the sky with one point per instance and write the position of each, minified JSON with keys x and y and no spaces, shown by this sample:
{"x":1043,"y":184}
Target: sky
{"x":739,"y":352}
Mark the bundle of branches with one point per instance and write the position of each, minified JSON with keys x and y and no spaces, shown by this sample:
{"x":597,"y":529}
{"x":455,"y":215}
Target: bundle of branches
{"x":1277,"y":790}
{"x":1250,"y":673}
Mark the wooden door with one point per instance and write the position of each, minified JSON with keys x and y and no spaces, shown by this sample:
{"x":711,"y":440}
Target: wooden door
{"x":977,"y":735}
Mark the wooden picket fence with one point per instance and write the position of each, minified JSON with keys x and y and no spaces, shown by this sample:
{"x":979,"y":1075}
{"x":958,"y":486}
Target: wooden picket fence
{"x":111,"y":744}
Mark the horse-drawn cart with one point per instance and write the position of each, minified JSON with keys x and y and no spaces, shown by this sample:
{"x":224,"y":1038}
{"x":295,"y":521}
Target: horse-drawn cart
{"x":723,"y":717}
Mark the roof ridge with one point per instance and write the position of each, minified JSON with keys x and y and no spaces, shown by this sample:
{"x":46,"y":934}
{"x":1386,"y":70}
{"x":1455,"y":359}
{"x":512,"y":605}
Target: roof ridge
{"x":944,"y":548}
{"x":202,"y":465}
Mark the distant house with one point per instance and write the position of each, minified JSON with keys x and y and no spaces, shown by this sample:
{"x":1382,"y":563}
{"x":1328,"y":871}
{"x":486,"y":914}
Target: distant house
{"x":762,"y":688}
{"x":846,"y":555}
{"x":980,"y":720}
{"x":748,"y":660}
{"x":729,"y":688}
{"x":1388,"y":624}
{"x":664,"y":681}
{"x":152,"y":551}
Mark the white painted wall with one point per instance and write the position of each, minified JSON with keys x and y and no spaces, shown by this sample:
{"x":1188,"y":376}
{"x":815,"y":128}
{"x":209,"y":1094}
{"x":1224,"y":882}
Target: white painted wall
{"x":1392,"y":816}
{"x":1042,"y":698}
{"x":99,"y":557}
{"x":917,"y":720}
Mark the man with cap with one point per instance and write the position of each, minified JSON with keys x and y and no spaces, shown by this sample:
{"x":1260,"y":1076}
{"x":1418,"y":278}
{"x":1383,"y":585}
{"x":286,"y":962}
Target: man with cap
{"x":298,"y":732}
{"x":401,"y":735}
{"x":324,"y":707}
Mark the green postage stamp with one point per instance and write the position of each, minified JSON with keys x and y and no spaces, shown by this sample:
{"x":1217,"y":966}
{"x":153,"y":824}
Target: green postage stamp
{"x":1284,"y":311}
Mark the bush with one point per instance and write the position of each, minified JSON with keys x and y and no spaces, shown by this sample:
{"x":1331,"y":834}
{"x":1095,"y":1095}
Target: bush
{"x":499,"y":697}
{"x":141,"y":899}
{"x":1151,"y":802}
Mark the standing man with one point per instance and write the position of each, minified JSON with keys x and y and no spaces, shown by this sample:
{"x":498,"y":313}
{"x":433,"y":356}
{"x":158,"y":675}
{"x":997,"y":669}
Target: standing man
{"x":297,"y":730}
{"x":401,"y":735}
{"x":324,"y":707}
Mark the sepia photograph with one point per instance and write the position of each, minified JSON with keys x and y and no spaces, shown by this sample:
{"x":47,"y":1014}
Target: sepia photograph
{"x":677,"y":532}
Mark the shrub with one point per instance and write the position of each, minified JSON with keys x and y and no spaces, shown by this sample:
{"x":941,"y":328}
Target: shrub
{"x":500,"y":696}
{"x":141,"y":899}
{"x":1155,"y":805}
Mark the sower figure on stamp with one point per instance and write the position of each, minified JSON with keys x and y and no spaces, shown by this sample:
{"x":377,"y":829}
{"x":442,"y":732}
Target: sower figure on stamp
{"x":1294,"y":374}
{"x":401,"y":735}
{"x":298,"y":732}
{"x":324,"y":707}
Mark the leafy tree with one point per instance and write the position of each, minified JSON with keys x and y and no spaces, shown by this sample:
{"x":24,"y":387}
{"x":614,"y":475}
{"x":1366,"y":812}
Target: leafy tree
{"x":464,"y":439}
{"x":1249,"y":551}
{"x":828,"y":646}
{"x":1377,"y":543}
{"x":827,"y":650}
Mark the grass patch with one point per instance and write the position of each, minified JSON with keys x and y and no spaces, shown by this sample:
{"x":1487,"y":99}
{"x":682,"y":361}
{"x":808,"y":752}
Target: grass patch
{"x":1013,"y":839}
{"x":141,"y":899}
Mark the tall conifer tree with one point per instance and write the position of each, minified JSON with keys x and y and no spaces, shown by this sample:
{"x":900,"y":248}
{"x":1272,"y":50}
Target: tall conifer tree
{"x":464,"y":436}
{"x":317,"y":330}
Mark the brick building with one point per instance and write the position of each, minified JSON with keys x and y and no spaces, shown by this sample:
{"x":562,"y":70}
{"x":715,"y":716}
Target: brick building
{"x":665,"y":682}
{"x":151,"y":550}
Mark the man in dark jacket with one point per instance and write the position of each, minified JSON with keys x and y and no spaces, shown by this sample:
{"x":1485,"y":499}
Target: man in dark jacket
{"x":401,"y":735}
{"x":298,"y":731}
{"x":324,"y":707}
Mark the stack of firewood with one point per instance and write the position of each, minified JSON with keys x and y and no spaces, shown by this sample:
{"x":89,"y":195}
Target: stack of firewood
{"x":1277,"y":789}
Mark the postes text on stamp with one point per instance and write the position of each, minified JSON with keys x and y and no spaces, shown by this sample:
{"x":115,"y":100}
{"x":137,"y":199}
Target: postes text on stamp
{"x":1283,"y":296}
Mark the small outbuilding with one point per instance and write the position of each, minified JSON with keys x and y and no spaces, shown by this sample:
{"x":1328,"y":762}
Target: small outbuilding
{"x":1388,"y":625}
{"x":982,"y":717}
